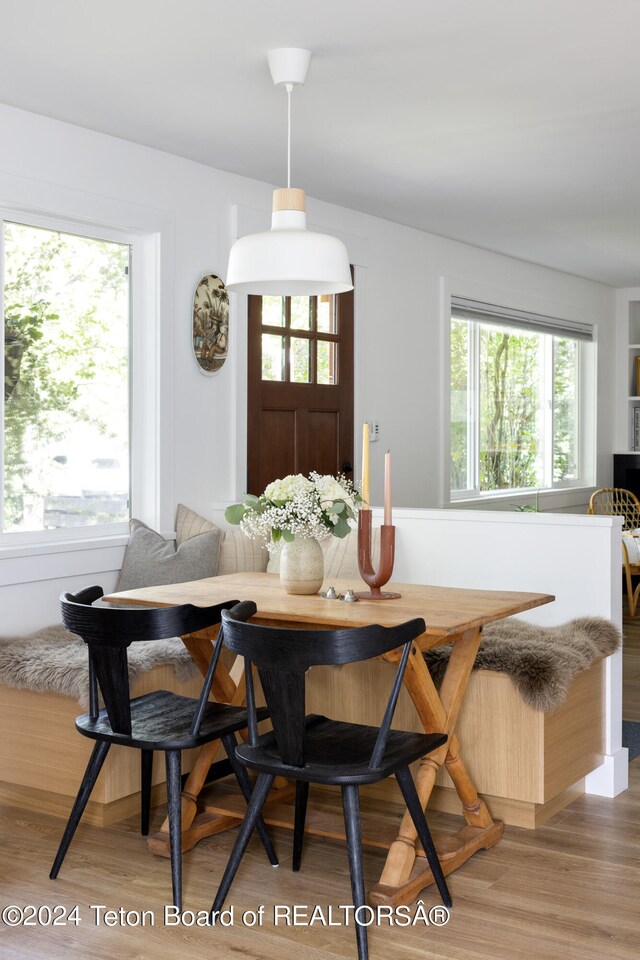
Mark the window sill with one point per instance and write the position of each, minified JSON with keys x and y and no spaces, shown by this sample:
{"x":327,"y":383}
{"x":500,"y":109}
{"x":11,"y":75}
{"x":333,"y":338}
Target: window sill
{"x":45,"y":548}
{"x":548,"y":499}
{"x":87,"y":557}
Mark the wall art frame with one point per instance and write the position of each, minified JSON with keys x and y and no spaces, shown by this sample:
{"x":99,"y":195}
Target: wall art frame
{"x":210,"y":324}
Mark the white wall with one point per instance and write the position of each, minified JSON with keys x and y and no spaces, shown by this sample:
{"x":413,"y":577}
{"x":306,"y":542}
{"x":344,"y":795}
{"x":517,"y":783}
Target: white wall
{"x":64,"y":170}
{"x":574,"y":558}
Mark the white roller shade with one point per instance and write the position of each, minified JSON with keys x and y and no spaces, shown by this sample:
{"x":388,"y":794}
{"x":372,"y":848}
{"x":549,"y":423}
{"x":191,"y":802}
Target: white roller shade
{"x":462,"y":308}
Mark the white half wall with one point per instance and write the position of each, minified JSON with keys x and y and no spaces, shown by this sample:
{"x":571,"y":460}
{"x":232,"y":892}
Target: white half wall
{"x":574,"y":558}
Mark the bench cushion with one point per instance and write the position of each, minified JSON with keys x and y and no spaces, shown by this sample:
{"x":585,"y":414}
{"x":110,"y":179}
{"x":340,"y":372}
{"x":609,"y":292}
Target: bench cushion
{"x":542,"y":662}
{"x":52,"y":659}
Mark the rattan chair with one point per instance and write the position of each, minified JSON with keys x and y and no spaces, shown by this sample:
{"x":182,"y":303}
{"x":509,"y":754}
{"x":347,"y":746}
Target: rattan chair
{"x":618,"y":502}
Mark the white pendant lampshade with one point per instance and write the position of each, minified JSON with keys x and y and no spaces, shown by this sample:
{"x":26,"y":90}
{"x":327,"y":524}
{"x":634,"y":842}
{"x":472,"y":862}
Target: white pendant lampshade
{"x":289,"y":260}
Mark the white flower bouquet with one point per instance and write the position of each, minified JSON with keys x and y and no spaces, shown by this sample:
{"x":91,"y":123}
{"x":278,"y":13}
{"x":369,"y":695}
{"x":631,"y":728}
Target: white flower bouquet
{"x":312,"y":507}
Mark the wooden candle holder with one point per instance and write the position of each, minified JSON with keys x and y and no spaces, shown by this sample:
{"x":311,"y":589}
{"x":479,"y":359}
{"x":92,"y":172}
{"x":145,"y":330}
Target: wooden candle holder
{"x":375,"y":578}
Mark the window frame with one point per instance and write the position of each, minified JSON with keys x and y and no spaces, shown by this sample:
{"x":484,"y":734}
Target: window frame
{"x":560,"y":495}
{"x":142,"y":375}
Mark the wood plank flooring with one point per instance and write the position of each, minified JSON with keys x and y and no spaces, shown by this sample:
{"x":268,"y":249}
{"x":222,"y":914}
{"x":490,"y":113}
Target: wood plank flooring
{"x":570,"y":889}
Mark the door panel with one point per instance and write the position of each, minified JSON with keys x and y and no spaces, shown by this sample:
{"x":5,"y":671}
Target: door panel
{"x":300,"y":391}
{"x":323,"y":435}
{"x":277,"y":442}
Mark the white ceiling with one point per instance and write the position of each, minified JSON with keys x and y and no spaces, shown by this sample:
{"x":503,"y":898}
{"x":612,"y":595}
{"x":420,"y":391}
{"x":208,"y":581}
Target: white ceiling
{"x":510,"y":124}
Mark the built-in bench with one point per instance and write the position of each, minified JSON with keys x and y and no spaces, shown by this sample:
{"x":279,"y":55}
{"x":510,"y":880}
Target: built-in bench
{"x":45,"y":686}
{"x":526,"y":763}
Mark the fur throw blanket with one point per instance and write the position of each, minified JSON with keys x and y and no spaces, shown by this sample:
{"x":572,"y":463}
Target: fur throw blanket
{"x":541,"y":661}
{"x":52,"y":659}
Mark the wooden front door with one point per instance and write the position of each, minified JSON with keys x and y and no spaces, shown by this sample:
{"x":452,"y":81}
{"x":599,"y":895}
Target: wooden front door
{"x":300,"y":395}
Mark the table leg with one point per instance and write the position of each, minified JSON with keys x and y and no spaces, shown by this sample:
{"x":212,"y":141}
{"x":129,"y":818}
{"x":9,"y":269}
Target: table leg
{"x":228,"y":686}
{"x":402,"y":878}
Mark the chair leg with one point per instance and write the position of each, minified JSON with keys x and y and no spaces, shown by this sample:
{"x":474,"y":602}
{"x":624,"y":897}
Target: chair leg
{"x":98,"y":754}
{"x":258,"y":797}
{"x":244,"y":783}
{"x":146,"y":766}
{"x":351,"y":806}
{"x":409,"y":792}
{"x":631,"y":595}
{"x":174,"y":803}
{"x":302,"y":795}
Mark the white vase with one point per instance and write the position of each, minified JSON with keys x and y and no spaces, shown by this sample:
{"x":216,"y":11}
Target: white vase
{"x":302,"y":566}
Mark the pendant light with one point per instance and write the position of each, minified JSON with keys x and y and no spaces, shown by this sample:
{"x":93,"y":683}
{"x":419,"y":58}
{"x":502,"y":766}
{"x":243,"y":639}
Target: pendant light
{"x":289,"y":260}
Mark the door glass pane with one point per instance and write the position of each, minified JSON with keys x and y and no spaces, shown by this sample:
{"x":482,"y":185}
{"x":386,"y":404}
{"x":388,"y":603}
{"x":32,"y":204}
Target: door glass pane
{"x":273,"y":312}
{"x":326,"y":313}
{"x":326,"y":362}
{"x":272,"y":357}
{"x":66,"y":417}
{"x":301,"y":313}
{"x":300,"y":360}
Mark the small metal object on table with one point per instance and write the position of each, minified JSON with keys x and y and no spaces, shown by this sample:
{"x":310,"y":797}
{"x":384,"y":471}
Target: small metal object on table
{"x":349,"y":597}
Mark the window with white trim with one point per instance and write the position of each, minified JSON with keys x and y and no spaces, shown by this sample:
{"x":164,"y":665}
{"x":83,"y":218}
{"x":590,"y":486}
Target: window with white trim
{"x":65,"y":443}
{"x":521,"y":418}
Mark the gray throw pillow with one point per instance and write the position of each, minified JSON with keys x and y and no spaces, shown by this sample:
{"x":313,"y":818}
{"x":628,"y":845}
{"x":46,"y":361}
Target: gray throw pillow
{"x":150,"y":560}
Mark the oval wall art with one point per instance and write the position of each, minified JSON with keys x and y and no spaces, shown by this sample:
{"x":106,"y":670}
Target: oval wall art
{"x":210,"y":323}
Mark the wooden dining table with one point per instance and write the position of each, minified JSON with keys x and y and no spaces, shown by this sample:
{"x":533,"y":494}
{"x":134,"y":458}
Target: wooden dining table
{"x":452,"y":615}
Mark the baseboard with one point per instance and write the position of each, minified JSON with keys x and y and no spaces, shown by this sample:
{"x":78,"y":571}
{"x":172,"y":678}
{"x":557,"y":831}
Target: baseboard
{"x":517,"y":813}
{"x":611,"y":777}
{"x":57,"y":805}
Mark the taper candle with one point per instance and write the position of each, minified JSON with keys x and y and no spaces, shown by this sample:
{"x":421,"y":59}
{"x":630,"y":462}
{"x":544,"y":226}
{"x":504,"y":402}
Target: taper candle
{"x":365,"y":466}
{"x":387,"y":488}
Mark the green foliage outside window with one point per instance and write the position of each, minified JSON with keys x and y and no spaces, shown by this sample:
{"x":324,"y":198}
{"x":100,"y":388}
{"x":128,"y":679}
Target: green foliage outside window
{"x":64,"y":298}
{"x":507,"y":369}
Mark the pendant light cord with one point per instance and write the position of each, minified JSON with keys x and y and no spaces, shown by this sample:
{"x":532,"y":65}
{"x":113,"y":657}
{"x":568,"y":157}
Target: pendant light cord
{"x":289,"y":88}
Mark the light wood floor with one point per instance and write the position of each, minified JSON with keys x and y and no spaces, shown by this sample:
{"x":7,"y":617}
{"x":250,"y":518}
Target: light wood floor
{"x":631,"y":670}
{"x":570,"y":889}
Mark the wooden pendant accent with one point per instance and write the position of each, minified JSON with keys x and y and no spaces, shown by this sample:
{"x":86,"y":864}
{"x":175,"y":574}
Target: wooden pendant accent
{"x":288,"y":198}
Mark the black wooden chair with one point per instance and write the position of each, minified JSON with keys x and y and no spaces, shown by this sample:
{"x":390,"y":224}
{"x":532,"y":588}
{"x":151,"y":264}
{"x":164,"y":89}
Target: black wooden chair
{"x":156,"y":721}
{"x":314,"y":749}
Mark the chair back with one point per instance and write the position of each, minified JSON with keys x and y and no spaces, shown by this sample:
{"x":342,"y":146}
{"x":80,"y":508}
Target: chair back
{"x":108,"y":631}
{"x":282,"y":658}
{"x":616,"y":502}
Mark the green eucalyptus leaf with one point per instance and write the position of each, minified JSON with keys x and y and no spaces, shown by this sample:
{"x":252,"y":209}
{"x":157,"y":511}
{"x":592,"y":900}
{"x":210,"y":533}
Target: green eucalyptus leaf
{"x":235,"y":513}
{"x":288,"y":536}
{"x":341,"y":529}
